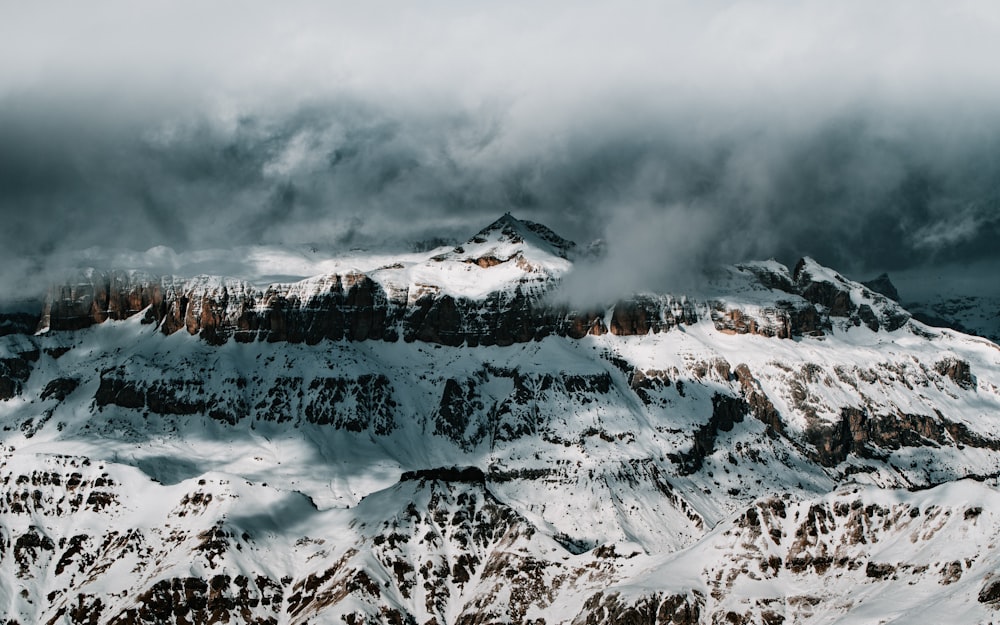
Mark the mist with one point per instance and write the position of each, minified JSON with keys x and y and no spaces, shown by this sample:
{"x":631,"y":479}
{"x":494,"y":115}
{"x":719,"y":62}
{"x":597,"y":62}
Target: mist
{"x":683,"y":135}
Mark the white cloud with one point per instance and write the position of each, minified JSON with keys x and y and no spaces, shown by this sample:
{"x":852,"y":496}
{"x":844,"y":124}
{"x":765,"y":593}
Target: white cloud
{"x":954,"y":227}
{"x":549,"y":57}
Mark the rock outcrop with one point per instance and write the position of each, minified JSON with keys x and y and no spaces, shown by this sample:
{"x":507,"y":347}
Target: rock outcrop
{"x":357,"y":307}
{"x":882,"y":284}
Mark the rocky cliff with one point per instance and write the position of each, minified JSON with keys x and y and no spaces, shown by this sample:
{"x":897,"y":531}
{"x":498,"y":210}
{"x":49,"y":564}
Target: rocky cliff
{"x":360,"y":306}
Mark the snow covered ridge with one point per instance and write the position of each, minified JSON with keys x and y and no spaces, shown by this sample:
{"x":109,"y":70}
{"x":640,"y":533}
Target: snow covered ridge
{"x":495,"y":289}
{"x":781,"y":447}
{"x":214,"y":550}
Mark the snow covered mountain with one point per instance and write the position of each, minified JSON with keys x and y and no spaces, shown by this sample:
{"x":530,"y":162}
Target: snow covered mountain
{"x":978,"y":315}
{"x":436,"y":439}
{"x":947,"y":303}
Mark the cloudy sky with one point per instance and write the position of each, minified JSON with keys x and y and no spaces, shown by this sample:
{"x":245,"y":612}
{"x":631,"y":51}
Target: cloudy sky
{"x":866,"y":135}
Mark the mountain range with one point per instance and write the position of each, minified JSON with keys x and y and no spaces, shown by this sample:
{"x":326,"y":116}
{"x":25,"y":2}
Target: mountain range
{"x":444,"y":438}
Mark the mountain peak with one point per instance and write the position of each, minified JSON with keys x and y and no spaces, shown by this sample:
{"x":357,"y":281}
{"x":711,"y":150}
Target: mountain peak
{"x":511,"y":230}
{"x":882,"y":284}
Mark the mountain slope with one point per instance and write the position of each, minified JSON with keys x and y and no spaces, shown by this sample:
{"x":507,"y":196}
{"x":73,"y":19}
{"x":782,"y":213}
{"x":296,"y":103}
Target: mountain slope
{"x":287,"y":457}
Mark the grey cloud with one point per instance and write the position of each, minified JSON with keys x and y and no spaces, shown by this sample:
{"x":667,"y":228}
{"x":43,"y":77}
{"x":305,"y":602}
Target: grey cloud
{"x":667,"y":198}
{"x":683,"y":134}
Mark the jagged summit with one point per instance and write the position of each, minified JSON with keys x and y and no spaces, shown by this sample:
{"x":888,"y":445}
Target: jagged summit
{"x":882,"y":284}
{"x":510,"y":230}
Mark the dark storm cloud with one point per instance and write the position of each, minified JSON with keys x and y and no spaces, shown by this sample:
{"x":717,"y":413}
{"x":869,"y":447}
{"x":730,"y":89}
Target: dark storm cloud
{"x":684,"y":135}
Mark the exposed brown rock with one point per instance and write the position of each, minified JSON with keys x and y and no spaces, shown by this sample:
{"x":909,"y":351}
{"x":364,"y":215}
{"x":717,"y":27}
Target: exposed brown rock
{"x":486,"y":261}
{"x":864,"y":434}
{"x":760,"y":405}
{"x":581,"y":324}
{"x":774,"y":322}
{"x":958,"y":371}
{"x":628,"y":318}
{"x":354,"y":307}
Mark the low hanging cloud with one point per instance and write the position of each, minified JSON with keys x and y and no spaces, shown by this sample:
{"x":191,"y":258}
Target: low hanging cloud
{"x":956,"y":222}
{"x":682,"y":134}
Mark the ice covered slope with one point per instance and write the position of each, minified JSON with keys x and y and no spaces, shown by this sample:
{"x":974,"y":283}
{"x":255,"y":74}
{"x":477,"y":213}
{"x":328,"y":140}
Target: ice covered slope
{"x":758,"y":450}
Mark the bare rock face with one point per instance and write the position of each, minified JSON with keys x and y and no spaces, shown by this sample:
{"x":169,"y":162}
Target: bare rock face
{"x":958,"y":371}
{"x":350,"y":307}
{"x":580,"y":324}
{"x":471,"y":475}
{"x":727,"y":411}
{"x":634,"y":318}
{"x":642,"y":315}
{"x":354,"y":404}
{"x":833,"y":296}
{"x":836,"y":301}
{"x":872,"y":436}
{"x":882,"y":284}
{"x":95,"y":296}
{"x":356,"y":307}
{"x":14,"y":372}
{"x":650,"y":609}
{"x":778,"y":322}
{"x":59,"y":388}
{"x":757,"y":401}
